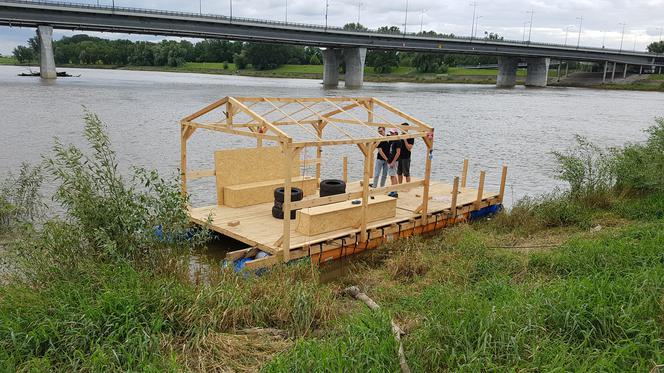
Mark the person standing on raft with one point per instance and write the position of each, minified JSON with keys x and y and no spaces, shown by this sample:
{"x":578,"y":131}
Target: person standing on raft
{"x":403,"y":169}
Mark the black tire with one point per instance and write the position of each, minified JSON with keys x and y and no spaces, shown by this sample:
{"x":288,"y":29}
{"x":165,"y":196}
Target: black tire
{"x":296,"y":194}
{"x":331,"y":187}
{"x":278,"y":213}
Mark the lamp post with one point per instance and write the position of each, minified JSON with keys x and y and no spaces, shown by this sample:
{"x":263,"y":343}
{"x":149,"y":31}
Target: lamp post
{"x":327,"y":5}
{"x":476,"y":23}
{"x":231,"y":6}
{"x":200,"y":7}
{"x":405,"y":21}
{"x":523,"y":37}
{"x":532,"y":13}
{"x":660,"y":32}
{"x":422,"y":20}
{"x":359,"y":9}
{"x":567,"y":32}
{"x":578,"y":41}
{"x":603,"y":38}
{"x":472,"y":29}
{"x":286,"y":17}
{"x":622,"y":36}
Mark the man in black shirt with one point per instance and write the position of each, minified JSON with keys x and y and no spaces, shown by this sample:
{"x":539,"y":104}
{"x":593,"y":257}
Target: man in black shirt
{"x":380,"y":169}
{"x":393,"y":159}
{"x":403,"y":170}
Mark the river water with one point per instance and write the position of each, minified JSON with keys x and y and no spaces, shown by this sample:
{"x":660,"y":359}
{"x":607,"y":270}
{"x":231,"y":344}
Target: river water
{"x":519,"y":127}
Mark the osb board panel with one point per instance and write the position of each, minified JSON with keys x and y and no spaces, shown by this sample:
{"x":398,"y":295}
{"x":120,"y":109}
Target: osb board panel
{"x":343,"y":215}
{"x":249,"y":165}
{"x":256,"y":193}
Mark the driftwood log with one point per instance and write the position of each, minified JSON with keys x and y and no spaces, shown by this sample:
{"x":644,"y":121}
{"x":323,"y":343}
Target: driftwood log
{"x":355,"y":292}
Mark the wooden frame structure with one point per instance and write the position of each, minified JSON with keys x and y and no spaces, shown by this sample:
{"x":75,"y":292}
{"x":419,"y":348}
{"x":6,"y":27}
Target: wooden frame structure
{"x":295,"y":124}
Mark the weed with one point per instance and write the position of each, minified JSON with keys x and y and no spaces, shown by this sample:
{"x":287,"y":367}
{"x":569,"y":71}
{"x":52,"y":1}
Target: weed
{"x":20,"y":199}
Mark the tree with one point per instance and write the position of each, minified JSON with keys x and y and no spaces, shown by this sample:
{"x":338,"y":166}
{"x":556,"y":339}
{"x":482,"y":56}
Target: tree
{"x":270,"y":56}
{"x":355,"y":27}
{"x":24,"y":54}
{"x":656,"y":47}
{"x":429,"y":63}
{"x":240,"y":60}
{"x":492,"y":36}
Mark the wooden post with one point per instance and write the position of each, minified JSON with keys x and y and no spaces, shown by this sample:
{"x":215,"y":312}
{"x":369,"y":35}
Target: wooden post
{"x":455,"y":195}
{"x":183,"y":160}
{"x":480,"y":190}
{"x":319,"y":149}
{"x":365,"y":189}
{"x":285,"y":243}
{"x":464,"y":173}
{"x":427,"y":181}
{"x":370,"y":112}
{"x":503,"y":178}
{"x":345,"y":170}
{"x":229,"y":114}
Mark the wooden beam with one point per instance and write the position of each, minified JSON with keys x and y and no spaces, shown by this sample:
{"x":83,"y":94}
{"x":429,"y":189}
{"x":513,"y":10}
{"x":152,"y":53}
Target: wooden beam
{"x":345,"y":169}
{"x":400,"y":113}
{"x":327,"y":120}
{"x":206,"y":109}
{"x":296,"y":122}
{"x":455,"y":195}
{"x":283,"y":135}
{"x":464,"y":173}
{"x":503,"y":179}
{"x":365,"y":190}
{"x":480,"y":190}
{"x":286,"y":206}
{"x":413,"y":135}
{"x":183,"y":161}
{"x":233,"y":131}
{"x":319,"y":149}
{"x":427,"y":182}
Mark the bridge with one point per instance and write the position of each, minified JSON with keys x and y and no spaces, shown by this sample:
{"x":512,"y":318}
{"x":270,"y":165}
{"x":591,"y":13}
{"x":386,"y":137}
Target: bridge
{"x":340,"y":45}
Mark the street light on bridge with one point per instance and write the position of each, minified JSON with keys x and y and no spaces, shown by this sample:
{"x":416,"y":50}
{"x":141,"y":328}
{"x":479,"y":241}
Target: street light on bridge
{"x":622,"y":37}
{"x":578,"y":41}
{"x":422,"y":20}
{"x":530,"y":30}
{"x":523,"y":37}
{"x":327,"y":6}
{"x":405,"y":21}
{"x":567,"y":32}
{"x":472,"y":29}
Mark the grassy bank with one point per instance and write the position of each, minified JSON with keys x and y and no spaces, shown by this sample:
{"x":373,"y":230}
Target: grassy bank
{"x":4,"y":60}
{"x":572,"y":280}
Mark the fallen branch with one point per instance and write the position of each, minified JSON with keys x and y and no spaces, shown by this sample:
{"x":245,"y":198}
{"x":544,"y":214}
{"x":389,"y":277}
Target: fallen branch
{"x":355,"y":292}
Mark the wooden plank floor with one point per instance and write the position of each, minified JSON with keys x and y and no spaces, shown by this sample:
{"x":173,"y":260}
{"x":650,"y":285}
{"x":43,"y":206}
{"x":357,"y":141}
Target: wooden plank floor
{"x":258,"y":228}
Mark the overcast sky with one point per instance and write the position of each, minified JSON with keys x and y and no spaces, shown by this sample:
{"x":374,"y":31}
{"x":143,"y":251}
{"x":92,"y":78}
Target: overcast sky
{"x":601,"y":18}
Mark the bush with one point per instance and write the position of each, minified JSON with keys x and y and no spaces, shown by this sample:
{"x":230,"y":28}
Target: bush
{"x":240,"y":60}
{"x":588,"y":170}
{"x":20,"y":198}
{"x":638,"y":167}
{"x":142,"y":220}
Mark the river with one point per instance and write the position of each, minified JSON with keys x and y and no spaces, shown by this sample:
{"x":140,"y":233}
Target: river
{"x":519,"y":127}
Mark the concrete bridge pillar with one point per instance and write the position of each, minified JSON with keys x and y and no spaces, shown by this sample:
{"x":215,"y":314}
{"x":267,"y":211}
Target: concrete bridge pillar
{"x":507,"y":72}
{"x":354,"y":59}
{"x":46,"y":58}
{"x":331,"y":60}
{"x":538,"y":72}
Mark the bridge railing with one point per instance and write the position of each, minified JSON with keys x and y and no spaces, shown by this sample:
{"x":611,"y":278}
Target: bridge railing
{"x":308,"y":26}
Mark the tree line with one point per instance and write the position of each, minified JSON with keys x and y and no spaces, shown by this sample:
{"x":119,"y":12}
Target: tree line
{"x":88,"y":50}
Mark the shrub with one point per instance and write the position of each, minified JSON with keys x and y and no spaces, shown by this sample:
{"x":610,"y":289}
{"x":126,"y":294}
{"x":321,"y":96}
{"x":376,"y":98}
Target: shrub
{"x":588,"y":170}
{"x":638,"y":167}
{"x":143,"y":219}
{"x":20,"y":197}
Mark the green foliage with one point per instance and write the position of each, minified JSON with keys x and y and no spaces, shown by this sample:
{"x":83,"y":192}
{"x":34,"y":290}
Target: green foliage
{"x":656,"y":47}
{"x":365,"y":344}
{"x":23,"y":54}
{"x":587,"y":169}
{"x":638,"y":167}
{"x":355,"y":27}
{"x":314,"y":60}
{"x":269,"y":56}
{"x":240,"y":60}
{"x":20,"y":199}
{"x":429,"y":63}
{"x":117,"y":218}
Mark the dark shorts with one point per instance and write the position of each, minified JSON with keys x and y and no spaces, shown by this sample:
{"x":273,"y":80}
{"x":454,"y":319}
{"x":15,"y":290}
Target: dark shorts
{"x":404,"y":167}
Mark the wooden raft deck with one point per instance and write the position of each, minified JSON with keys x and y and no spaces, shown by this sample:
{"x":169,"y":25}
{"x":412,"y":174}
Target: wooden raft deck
{"x":257,"y":227}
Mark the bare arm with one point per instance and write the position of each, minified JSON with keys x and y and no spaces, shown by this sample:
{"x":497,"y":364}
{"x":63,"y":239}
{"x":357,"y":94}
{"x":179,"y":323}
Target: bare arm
{"x":396,"y":156}
{"x":382,"y":153}
{"x":408,"y":145}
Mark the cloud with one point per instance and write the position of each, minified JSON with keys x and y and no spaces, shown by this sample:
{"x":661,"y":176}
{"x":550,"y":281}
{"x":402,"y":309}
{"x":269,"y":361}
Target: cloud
{"x":505,"y":17}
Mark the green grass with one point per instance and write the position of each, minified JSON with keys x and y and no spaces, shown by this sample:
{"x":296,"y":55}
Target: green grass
{"x":5,"y":60}
{"x":656,"y":77}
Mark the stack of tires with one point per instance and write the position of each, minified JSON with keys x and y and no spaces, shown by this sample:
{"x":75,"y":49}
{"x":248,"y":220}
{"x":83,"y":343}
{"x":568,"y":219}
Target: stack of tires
{"x":331,"y":187}
{"x":277,"y":209}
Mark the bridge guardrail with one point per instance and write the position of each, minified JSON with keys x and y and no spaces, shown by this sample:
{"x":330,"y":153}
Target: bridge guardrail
{"x":318,"y":27}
